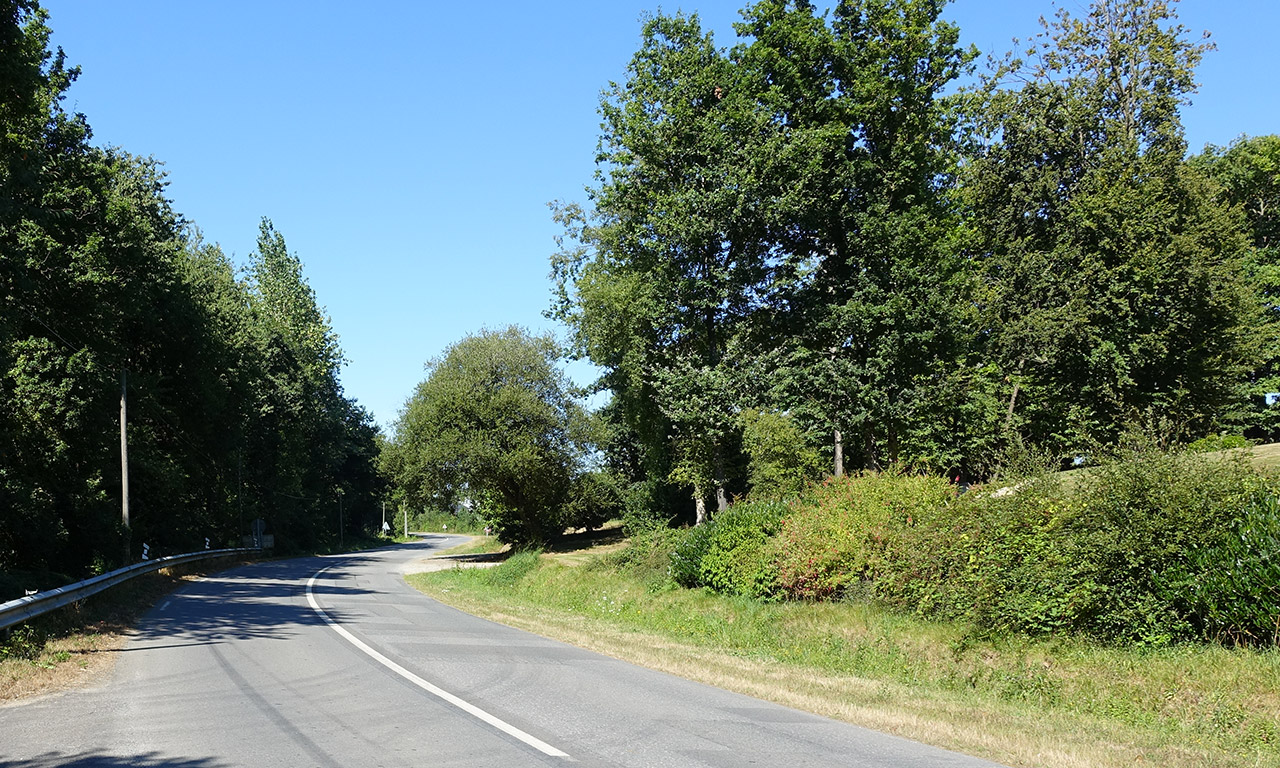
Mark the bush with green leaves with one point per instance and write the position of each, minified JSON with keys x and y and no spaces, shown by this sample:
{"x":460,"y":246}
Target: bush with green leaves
{"x":731,"y":553}
{"x":1234,"y":589}
{"x":1149,"y":549}
{"x":1142,"y":522}
{"x":686,"y":558}
{"x":837,"y":537}
{"x":1118,"y":553}
{"x":781,"y":463}
{"x":595,"y":497}
{"x":1212,"y":443}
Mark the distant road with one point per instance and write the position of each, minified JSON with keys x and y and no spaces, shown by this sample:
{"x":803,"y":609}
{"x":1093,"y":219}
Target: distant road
{"x":335,"y":661}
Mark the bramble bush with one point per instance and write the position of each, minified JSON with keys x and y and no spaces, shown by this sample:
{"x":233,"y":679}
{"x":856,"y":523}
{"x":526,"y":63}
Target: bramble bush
{"x":1108,"y":556}
{"x":839,"y":536}
{"x":1150,"y":549}
{"x":1234,"y":588}
{"x":1141,"y":522}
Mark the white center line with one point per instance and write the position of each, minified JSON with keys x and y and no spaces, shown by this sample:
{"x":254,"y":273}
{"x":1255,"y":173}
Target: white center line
{"x":434,"y":690}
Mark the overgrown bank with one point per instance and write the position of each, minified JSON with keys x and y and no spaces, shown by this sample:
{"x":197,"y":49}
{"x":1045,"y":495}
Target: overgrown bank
{"x":1153,"y":549}
{"x":1120,"y":617}
{"x":1019,"y":701}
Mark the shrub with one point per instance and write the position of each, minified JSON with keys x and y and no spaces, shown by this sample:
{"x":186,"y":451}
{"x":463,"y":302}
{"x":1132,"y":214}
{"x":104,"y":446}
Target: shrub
{"x":733,"y":554}
{"x":1108,"y":557}
{"x":1235,"y":589}
{"x":1212,"y":443}
{"x":648,"y":556}
{"x":974,"y":559}
{"x":641,"y":508}
{"x":837,"y":536}
{"x":594,"y":498}
{"x":1142,"y":523}
{"x":686,"y":558}
{"x":781,"y":463}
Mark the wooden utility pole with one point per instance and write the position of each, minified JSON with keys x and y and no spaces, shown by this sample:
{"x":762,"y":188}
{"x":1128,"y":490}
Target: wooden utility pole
{"x":124,"y":460}
{"x":340,"y":537}
{"x":239,"y":491}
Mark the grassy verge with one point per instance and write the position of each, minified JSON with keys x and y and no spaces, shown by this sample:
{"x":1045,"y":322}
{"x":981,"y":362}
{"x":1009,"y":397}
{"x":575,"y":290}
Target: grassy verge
{"x":75,"y":645}
{"x":1058,"y":703}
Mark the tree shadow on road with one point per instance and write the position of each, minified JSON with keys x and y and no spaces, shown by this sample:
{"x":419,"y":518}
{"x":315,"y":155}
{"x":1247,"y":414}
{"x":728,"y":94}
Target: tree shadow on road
{"x":99,"y":760}
{"x":264,"y":600}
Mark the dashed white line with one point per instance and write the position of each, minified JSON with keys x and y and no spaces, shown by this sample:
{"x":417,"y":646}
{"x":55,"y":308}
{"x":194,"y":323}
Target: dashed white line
{"x":434,"y":690}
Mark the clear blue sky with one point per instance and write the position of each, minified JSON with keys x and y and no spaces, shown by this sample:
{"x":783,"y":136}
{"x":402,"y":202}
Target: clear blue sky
{"x":407,"y":150}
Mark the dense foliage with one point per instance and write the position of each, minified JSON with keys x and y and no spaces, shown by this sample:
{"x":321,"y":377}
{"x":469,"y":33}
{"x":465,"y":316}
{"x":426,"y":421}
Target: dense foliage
{"x":1149,"y":549}
{"x":815,"y":227}
{"x":235,"y":409}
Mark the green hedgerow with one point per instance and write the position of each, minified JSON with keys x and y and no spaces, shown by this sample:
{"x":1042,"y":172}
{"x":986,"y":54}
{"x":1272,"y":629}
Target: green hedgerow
{"x":839,"y":535}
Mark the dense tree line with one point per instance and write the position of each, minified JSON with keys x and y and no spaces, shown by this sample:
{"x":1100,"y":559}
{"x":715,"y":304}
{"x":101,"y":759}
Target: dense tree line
{"x":235,"y":407}
{"x":817,"y":224}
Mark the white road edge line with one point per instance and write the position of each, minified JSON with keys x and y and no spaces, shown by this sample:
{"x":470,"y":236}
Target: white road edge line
{"x":434,"y":690}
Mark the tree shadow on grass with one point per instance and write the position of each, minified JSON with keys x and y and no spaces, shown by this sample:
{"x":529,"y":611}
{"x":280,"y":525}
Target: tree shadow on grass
{"x":585,"y":539}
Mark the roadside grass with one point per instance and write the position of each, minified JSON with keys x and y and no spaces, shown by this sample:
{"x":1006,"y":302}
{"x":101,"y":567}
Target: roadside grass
{"x":479,"y":545}
{"x":1059,"y":703}
{"x":74,"y":646}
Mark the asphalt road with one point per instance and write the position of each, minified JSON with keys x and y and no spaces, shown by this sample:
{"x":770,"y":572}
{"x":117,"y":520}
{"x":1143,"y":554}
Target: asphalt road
{"x":335,"y":661}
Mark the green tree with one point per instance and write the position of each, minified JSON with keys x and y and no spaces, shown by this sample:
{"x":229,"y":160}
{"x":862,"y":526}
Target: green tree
{"x":870,"y":293}
{"x":316,"y":448}
{"x":1249,"y":173}
{"x":781,"y":464}
{"x":673,"y":263}
{"x":495,"y":423}
{"x":1112,"y":274}
{"x":772,"y":229}
{"x":234,"y":400}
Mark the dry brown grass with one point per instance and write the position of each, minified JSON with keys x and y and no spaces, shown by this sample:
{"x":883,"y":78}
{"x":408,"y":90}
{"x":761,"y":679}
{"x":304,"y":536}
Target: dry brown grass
{"x":76,"y":661}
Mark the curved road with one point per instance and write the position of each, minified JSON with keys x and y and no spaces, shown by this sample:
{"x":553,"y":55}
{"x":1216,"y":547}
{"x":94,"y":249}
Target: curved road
{"x":335,"y":661}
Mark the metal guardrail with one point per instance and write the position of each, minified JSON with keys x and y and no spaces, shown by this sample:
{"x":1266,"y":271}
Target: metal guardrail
{"x":17,"y":611}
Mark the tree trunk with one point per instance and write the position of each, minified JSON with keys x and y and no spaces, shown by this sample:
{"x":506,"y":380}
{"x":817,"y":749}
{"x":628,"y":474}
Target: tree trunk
{"x":700,"y":510}
{"x":869,"y":448}
{"x":722,"y":501}
{"x":839,"y":450}
{"x":1013,"y":398}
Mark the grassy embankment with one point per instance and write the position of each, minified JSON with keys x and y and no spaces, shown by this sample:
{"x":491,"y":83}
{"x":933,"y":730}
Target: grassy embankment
{"x":1058,"y":702}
